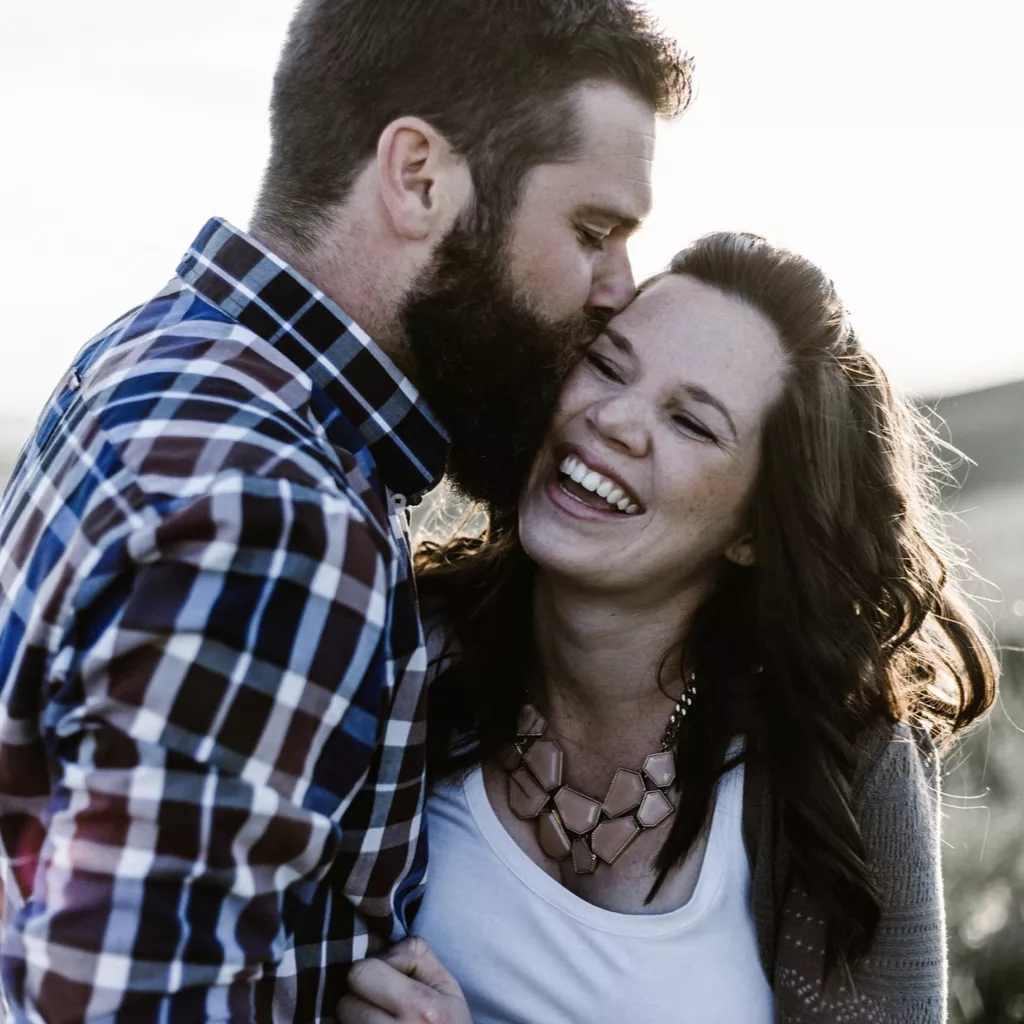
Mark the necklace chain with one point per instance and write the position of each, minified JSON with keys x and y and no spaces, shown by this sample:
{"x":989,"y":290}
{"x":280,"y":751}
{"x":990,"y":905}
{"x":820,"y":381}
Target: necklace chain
{"x":572,"y":824}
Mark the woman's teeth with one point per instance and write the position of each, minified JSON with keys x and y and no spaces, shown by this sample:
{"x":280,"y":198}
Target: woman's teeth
{"x":579,"y":472}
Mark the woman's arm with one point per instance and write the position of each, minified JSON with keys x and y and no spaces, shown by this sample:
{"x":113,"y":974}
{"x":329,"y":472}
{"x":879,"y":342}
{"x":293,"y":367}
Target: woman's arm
{"x":904,"y":972}
{"x":902,"y":978}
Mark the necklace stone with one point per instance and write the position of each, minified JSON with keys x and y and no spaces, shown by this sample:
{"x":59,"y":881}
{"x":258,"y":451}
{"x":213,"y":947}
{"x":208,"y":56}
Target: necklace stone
{"x":572,"y":824}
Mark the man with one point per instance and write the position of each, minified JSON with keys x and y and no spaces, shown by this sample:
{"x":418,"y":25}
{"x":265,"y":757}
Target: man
{"x":211,"y":739}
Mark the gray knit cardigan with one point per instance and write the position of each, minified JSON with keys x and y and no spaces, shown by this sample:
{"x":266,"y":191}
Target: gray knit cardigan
{"x":902,"y":979}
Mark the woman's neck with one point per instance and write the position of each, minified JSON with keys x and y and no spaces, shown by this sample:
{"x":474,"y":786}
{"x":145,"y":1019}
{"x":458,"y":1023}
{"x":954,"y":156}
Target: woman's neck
{"x":606,"y":666}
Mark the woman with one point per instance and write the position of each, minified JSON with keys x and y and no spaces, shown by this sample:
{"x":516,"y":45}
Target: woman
{"x":684,"y":735}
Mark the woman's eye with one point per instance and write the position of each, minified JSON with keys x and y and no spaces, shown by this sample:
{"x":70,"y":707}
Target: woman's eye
{"x":692,"y":426}
{"x":591,"y":239}
{"x":603,"y":367}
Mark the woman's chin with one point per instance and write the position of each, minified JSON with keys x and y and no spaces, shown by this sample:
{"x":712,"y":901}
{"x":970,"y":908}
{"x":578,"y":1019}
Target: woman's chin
{"x":559,"y":547}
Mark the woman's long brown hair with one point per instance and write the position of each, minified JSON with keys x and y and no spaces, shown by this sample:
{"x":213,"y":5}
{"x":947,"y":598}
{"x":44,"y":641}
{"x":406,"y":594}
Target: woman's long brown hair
{"x":854,"y":613}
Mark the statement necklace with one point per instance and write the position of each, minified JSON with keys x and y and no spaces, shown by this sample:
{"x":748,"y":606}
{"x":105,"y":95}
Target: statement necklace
{"x":570,"y":823}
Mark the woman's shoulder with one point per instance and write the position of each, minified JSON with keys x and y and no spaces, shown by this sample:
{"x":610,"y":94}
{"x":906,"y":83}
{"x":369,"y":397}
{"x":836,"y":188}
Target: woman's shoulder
{"x":896,"y":799}
{"x":892,"y":757}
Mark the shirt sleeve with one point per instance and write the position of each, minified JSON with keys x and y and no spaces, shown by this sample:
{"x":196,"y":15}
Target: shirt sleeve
{"x":904,"y":972}
{"x":902,"y":977}
{"x":213,"y":659}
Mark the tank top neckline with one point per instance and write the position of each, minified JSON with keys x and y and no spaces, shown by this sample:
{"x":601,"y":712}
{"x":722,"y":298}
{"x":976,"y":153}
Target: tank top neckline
{"x":542,"y":885}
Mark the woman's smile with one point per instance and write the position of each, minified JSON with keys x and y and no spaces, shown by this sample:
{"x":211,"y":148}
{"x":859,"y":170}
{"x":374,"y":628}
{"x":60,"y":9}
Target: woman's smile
{"x":582,"y":485}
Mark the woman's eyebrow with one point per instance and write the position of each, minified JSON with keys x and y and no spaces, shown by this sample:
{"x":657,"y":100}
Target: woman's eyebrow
{"x":702,"y":395}
{"x":620,"y":341}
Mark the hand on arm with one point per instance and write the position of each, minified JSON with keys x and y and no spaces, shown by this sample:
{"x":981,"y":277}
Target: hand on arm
{"x":408,"y":984}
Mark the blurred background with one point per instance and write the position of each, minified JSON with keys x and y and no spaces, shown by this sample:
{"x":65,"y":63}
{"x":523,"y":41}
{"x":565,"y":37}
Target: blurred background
{"x":881,"y":138}
{"x":984,"y":783}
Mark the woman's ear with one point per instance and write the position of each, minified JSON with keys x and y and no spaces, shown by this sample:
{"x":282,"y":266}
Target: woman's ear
{"x":742,"y":551}
{"x":423,"y":183}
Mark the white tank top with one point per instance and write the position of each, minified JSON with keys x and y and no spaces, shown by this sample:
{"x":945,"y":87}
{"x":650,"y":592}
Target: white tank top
{"x":528,"y":951}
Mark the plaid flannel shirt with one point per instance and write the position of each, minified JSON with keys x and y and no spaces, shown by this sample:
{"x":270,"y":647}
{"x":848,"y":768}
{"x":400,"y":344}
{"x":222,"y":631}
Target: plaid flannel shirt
{"x":212,"y":665}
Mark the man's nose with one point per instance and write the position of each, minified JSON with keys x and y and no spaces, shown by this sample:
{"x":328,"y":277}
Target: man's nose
{"x":614,"y":287}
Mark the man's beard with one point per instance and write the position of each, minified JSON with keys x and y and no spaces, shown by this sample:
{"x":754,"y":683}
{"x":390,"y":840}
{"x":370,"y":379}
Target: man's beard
{"x":489,"y":367}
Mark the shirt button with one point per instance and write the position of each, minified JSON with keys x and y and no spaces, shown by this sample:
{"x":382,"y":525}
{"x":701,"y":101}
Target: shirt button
{"x":398,"y":500}
{"x":74,"y":381}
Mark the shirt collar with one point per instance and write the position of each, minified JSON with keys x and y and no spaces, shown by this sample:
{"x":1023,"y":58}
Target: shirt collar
{"x":249,"y":283}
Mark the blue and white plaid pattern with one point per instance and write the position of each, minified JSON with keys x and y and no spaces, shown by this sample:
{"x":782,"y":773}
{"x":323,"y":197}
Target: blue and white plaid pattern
{"x":212,"y":704}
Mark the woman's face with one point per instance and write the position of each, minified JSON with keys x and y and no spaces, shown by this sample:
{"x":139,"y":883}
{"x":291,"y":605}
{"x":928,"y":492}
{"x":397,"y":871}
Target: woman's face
{"x":643,"y":482}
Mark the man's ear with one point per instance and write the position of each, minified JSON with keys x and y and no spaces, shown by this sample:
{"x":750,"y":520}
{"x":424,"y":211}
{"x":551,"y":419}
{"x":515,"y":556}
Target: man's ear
{"x":423,"y":184}
{"x":742,"y":551}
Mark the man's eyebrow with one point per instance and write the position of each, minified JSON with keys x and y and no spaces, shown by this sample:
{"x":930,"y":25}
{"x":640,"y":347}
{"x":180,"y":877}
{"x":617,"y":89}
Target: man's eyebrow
{"x":695,"y":391}
{"x":625,"y":220}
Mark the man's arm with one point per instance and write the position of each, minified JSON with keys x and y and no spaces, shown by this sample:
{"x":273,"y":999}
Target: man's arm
{"x":205,"y":677}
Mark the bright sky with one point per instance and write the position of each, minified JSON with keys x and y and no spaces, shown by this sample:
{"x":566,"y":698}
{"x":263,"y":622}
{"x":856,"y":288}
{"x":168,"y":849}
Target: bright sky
{"x":881,"y":138}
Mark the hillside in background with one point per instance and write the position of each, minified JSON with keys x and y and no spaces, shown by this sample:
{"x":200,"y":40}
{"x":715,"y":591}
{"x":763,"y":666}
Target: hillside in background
{"x":988,"y":427}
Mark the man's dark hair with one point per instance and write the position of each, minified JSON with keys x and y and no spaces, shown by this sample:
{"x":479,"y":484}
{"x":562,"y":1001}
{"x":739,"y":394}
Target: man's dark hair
{"x":493,"y":76}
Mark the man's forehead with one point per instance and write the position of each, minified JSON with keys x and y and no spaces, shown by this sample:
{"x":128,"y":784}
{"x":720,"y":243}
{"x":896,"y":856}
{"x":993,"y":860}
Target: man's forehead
{"x":611,"y":115}
{"x":617,"y":150}
{"x":619,"y":188}
{"x":640,"y":144}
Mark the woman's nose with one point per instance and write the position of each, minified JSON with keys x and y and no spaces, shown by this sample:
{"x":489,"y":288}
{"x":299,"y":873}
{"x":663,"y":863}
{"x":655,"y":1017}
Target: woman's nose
{"x":622,"y":424}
